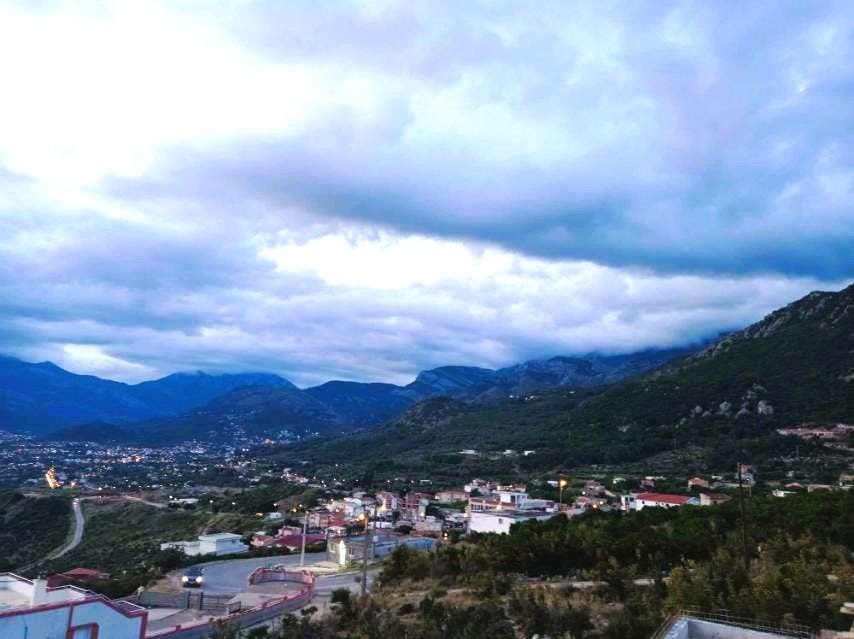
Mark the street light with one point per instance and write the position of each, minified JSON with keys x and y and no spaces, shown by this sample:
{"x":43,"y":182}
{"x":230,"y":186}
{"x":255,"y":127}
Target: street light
{"x":561,"y":484}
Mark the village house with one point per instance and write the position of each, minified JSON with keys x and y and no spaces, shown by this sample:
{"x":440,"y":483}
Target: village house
{"x":479,"y":485}
{"x":511,"y":497}
{"x":30,"y":609}
{"x":500,"y":521}
{"x":592,"y":489}
{"x":286,"y":538}
{"x":388,"y":501}
{"x":415,"y":505}
{"x":710,"y":499}
{"x":482,"y":504}
{"x":698,"y":482}
{"x":639,"y":501}
{"x":212,"y":544}
{"x":449,"y":496}
{"x":429,"y":525}
{"x":351,"y":550}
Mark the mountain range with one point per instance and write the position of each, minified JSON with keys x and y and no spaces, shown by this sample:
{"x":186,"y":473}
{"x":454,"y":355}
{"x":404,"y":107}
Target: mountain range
{"x":43,"y":398}
{"x":40,"y":398}
{"x":796,"y":366}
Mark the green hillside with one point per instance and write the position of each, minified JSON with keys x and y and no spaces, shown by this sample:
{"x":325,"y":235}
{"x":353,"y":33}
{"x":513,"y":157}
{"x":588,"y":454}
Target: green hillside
{"x":795,"y":366}
{"x":31,"y":527}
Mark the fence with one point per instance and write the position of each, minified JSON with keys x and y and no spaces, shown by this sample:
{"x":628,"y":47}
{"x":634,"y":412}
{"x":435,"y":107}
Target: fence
{"x":150,"y":598}
{"x":725,"y":617}
{"x":252,"y":616}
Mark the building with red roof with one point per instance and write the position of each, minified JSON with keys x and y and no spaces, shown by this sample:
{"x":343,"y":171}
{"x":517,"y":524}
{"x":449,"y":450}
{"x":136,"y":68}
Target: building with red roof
{"x":639,"y":501}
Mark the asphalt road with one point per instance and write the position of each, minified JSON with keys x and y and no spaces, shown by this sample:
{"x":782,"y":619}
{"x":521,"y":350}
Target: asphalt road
{"x":231,"y":576}
{"x":79,"y":526}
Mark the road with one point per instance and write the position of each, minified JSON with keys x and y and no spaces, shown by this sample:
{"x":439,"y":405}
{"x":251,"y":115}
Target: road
{"x":231,"y":576}
{"x":79,"y":526}
{"x":80,"y":522}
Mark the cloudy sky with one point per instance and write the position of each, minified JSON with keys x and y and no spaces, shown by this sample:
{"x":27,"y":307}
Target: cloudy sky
{"x":362,"y":190}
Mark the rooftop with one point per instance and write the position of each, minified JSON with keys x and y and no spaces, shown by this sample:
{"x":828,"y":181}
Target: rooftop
{"x":219,"y":537}
{"x":19,"y":592}
{"x":663,"y":498}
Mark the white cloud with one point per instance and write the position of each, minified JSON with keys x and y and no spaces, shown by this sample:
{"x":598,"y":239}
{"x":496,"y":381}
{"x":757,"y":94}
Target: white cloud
{"x":91,"y":359}
{"x":342,"y":190}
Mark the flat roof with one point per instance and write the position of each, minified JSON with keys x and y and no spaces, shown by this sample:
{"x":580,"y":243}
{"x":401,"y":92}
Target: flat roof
{"x":10,"y":599}
{"x":218,"y":536}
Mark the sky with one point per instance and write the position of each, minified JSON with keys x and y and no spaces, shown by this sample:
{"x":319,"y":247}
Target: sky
{"x":362,"y":190}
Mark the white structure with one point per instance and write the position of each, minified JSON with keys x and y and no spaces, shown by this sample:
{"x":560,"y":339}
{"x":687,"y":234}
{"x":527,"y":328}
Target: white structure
{"x":214,"y":544}
{"x":724,"y":627}
{"x":499,"y":521}
{"x":350,"y":550}
{"x":639,"y":501}
{"x":31,"y":610}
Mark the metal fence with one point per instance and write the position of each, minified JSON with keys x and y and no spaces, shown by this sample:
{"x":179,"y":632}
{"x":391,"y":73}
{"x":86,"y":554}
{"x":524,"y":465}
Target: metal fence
{"x":727,"y":618}
{"x":150,"y":598}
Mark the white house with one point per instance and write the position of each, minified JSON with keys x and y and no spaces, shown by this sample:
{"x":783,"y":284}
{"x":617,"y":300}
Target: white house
{"x":499,"y":521}
{"x":512,"y":497}
{"x":639,"y":501}
{"x":213,"y":544}
{"x":31,"y":610}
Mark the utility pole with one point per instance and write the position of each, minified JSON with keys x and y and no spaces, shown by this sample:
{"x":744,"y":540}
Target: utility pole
{"x":561,"y":482}
{"x":743,"y":520}
{"x":304,"y":529}
{"x":365,"y":554}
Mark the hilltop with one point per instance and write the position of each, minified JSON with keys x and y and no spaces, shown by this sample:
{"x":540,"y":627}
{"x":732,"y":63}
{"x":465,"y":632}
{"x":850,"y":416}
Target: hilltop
{"x":794,"y":366}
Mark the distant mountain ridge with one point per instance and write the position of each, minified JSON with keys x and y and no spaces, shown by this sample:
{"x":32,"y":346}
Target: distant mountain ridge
{"x":43,"y":397}
{"x":721,"y":403}
{"x":273,"y":409}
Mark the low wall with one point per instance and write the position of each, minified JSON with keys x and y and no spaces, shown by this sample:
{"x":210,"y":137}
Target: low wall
{"x":247,"y":618}
{"x":163,"y":599}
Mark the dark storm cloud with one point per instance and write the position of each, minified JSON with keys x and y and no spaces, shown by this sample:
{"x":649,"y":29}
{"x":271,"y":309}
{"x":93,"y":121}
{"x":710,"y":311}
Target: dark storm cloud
{"x":696,"y":138}
{"x":364,"y":190}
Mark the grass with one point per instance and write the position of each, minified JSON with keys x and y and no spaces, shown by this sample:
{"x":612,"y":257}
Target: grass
{"x":31,"y":527}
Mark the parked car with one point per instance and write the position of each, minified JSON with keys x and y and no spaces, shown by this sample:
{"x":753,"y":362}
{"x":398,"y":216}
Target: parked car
{"x":193,"y":577}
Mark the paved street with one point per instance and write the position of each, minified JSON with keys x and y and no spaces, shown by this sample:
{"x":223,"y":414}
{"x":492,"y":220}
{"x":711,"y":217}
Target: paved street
{"x":79,"y":526}
{"x":231,"y":576}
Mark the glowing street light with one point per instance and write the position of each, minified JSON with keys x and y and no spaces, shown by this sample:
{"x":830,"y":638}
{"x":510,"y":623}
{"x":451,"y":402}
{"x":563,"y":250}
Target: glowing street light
{"x":561,"y":484}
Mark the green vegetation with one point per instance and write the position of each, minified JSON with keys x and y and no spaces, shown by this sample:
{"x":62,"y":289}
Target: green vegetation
{"x":122,"y":535}
{"x":611,"y":575}
{"x":31,"y":527}
{"x":696,"y":415}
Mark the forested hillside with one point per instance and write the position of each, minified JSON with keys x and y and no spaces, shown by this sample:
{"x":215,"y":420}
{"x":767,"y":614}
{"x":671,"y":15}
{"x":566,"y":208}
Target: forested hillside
{"x":795,"y":366}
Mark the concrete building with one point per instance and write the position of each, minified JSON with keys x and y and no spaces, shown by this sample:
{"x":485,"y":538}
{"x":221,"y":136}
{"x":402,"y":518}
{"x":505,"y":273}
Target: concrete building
{"x":449,"y":496}
{"x":350,"y":550}
{"x":711,"y":499}
{"x":639,"y":501}
{"x":213,"y":544}
{"x":500,"y":521}
{"x":32,"y":610}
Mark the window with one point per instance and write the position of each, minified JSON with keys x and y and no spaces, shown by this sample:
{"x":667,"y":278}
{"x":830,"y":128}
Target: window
{"x":88,"y":631}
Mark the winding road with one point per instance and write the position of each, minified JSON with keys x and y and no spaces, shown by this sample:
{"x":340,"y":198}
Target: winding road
{"x":80,"y":522}
{"x":79,"y":526}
